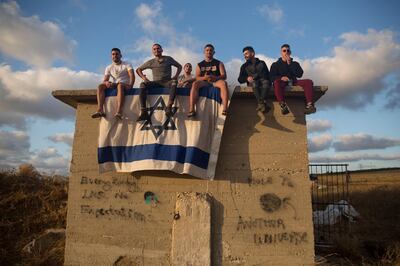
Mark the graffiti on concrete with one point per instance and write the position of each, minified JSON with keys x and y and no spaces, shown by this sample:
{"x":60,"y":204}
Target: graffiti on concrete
{"x":268,"y":180}
{"x":294,"y":238}
{"x":100,"y":188}
{"x":93,"y":194}
{"x":286,"y":181}
{"x":150,"y":197}
{"x":259,"y":223}
{"x":260,"y":181}
{"x":112,"y":213}
{"x":270,"y":203}
{"x":129,"y":182}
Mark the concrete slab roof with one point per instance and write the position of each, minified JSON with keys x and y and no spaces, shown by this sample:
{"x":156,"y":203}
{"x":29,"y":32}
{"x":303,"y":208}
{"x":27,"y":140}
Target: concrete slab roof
{"x":73,"y":97}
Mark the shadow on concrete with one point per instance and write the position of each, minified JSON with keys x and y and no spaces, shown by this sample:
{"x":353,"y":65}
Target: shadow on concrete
{"x":269,"y":119}
{"x":240,"y":125}
{"x":217,"y":221}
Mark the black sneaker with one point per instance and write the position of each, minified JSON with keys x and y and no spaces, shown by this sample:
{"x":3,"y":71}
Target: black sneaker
{"x":168,"y":111}
{"x":262,"y":107}
{"x":284,"y":108}
{"x":143,"y":116}
{"x":265,"y":108}
{"x":310,"y":109}
{"x":98,"y":115}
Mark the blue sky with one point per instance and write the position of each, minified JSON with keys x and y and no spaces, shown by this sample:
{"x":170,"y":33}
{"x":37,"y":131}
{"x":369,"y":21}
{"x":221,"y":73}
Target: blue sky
{"x":351,"y":46}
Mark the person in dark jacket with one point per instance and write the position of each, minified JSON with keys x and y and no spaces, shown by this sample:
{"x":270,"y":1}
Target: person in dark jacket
{"x":255,"y":73}
{"x":285,"y":72}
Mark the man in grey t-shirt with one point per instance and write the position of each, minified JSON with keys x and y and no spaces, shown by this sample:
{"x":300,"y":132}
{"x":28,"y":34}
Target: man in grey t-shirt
{"x":161,"y":67}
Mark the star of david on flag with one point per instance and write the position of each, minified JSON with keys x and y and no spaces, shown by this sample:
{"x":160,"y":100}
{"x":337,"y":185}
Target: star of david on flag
{"x":176,"y":143}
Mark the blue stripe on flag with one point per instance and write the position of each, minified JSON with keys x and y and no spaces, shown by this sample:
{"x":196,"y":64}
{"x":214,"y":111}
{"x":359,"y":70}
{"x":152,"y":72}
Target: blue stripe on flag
{"x":208,"y":92}
{"x":160,"y":152}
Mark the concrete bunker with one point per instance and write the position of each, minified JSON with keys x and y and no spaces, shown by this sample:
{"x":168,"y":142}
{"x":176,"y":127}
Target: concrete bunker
{"x":256,"y":211}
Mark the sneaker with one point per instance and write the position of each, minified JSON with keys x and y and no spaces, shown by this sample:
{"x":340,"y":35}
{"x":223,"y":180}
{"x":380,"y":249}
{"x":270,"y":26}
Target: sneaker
{"x":310,"y":109}
{"x":98,"y":115}
{"x":168,"y":111}
{"x":263,"y":108}
{"x":118,"y":116}
{"x":284,"y":108}
{"x":143,"y":116}
{"x":191,"y":114}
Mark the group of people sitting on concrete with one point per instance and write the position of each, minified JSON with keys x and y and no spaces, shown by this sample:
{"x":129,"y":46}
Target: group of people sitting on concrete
{"x":209,"y":72}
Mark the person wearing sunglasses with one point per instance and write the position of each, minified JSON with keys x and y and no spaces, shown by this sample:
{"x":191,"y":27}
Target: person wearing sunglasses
{"x":255,"y":73}
{"x":285,"y":72}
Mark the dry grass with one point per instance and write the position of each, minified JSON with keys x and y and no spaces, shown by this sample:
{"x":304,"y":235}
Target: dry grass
{"x":30,"y":204}
{"x":375,"y":238}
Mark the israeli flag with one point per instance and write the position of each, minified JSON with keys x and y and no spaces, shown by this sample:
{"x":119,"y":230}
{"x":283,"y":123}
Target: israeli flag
{"x":179,"y":144}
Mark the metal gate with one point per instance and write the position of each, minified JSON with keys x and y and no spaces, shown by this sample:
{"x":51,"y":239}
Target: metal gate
{"x":330,"y":200}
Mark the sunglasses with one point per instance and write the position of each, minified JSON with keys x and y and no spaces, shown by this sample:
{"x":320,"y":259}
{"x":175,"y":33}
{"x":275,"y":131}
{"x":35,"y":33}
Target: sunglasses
{"x":286,"y":50}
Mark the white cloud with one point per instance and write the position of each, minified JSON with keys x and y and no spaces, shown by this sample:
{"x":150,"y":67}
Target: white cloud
{"x":272,"y":12}
{"x":66,"y":138}
{"x":14,"y":146}
{"x":150,"y":17}
{"x":50,"y":161}
{"x":319,"y":143}
{"x":47,"y":153}
{"x":31,"y":40}
{"x":28,"y":93}
{"x":356,"y":71}
{"x":15,"y":150}
{"x":352,"y":157}
{"x":363,"y":141}
{"x":393,"y":93}
{"x":12,"y":119}
{"x":318,"y":125}
{"x":157,"y":28}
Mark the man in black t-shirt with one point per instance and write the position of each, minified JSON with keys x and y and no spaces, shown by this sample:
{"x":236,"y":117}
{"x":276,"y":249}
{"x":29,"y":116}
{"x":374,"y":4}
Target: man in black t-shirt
{"x":209,"y":72}
{"x":255,"y":73}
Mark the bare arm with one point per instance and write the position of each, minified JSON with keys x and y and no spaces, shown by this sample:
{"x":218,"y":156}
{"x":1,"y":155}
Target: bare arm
{"x":106,"y":80}
{"x":178,"y":66}
{"x":140,"y":73}
{"x":131,"y":77}
{"x":178,"y":71}
{"x":222,"y":71}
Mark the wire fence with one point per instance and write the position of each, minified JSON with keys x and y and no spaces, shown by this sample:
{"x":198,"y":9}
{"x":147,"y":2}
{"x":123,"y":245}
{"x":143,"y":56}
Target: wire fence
{"x":330,"y":201}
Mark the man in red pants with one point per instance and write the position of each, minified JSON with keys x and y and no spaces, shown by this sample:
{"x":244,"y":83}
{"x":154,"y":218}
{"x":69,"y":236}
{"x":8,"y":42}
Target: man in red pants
{"x":285,"y":72}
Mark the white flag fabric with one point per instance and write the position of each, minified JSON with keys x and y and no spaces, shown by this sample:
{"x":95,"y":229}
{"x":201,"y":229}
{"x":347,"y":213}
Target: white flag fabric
{"x":180,"y":144}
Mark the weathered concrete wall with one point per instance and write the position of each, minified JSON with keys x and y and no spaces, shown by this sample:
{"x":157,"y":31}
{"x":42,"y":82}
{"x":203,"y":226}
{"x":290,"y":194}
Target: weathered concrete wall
{"x":260,"y":208}
{"x":191,"y":230}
